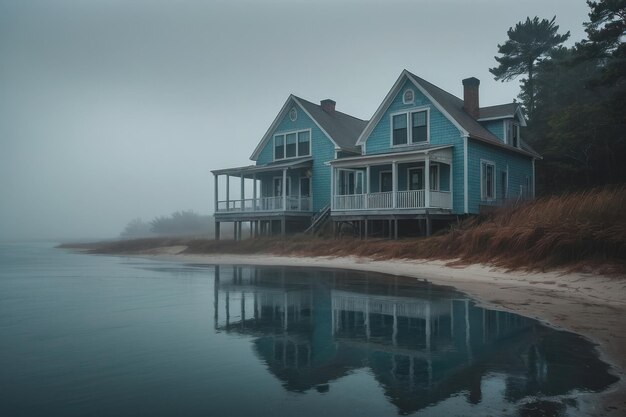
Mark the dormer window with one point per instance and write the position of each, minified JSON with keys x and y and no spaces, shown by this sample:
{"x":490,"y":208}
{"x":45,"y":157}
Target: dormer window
{"x":410,"y":128}
{"x":512,"y":133}
{"x":408,"y":97}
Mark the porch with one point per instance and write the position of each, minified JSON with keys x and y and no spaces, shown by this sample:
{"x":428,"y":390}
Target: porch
{"x":271,"y":197}
{"x":397,"y":183}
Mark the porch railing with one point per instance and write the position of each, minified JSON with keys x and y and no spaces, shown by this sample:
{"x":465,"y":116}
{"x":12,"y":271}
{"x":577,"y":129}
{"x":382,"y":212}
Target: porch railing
{"x":264,"y":204}
{"x":385,"y":200}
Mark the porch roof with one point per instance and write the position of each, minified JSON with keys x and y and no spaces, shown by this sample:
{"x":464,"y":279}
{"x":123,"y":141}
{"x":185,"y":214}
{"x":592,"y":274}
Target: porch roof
{"x":439,"y":153}
{"x":273,"y":166}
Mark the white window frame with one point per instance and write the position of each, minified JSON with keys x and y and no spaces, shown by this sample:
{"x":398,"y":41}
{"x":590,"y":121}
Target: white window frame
{"x":423,"y":168}
{"x":509,"y":140}
{"x":409,"y":126}
{"x":483,"y":197}
{"x":341,"y":178}
{"x":297,"y":132}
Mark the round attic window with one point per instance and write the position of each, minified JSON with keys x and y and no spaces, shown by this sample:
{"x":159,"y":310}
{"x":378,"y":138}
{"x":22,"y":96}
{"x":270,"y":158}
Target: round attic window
{"x":293,"y":114}
{"x":408,"y":97}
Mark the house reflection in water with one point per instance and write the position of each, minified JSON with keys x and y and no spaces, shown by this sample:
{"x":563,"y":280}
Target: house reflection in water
{"x":422,"y":343}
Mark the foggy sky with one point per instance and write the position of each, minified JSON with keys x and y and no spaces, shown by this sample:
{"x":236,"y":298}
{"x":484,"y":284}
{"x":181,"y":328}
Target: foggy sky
{"x":112,"y":110}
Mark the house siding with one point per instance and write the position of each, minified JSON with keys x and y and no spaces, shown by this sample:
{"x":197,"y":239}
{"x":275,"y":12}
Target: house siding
{"x":322,"y":151}
{"x":519,"y":167}
{"x":442,"y":132}
{"x":496,"y":127}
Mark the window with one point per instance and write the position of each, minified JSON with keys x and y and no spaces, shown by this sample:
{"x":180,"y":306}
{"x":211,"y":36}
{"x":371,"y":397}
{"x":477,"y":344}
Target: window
{"x":279,"y":146}
{"x":293,"y":114}
{"x":487,"y":180}
{"x":418,"y":133}
{"x":399,"y":129}
{"x":304,"y":143}
{"x":408,"y":97}
{"x":292,"y":144}
{"x":419,"y":127}
{"x":512,"y":134}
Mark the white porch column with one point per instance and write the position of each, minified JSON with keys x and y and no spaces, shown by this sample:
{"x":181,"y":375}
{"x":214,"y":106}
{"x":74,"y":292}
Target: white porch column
{"x":227,"y":192}
{"x":284,"y":188}
{"x":367,"y":185}
{"x":243,"y":191}
{"x":427,"y":181}
{"x":332,"y":187}
{"x":254,"y":192}
{"x":215,"y":192}
{"x":394,"y":183}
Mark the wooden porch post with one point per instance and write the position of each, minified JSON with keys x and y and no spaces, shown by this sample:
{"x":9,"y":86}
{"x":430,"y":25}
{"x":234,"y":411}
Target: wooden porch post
{"x":332,"y":188}
{"x":367,"y":188}
{"x":227,"y":192}
{"x":394,"y":181}
{"x":284,"y":189}
{"x":427,"y":181}
{"x":254,"y":192}
{"x":243,"y":191}
{"x":215,"y":192}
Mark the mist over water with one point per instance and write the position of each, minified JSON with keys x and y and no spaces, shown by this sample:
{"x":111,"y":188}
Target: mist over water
{"x":113,"y":110}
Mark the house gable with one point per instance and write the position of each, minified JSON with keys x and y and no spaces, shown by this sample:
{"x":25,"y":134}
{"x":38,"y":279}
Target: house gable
{"x":394,"y":102}
{"x":264,"y":152}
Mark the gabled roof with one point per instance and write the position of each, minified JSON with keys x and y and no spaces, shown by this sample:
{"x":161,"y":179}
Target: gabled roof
{"x":341,"y":128}
{"x":449,"y":105}
{"x":502,"y":111}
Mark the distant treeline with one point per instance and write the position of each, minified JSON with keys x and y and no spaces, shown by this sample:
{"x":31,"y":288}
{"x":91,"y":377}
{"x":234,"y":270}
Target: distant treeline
{"x":574,"y":97}
{"x":180,"y":223}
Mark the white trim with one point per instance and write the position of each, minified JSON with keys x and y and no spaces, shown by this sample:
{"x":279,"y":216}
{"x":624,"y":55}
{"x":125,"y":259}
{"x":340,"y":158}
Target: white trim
{"x":281,"y":179}
{"x":465,"y":176}
{"x":533,"y":192}
{"x":495,"y":180}
{"x":405,"y":75}
{"x":295,"y":112}
{"x":400,"y":155}
{"x":404,"y":101}
{"x":409,"y":126}
{"x":284,"y":134}
{"x":281,"y":115}
{"x":487,"y":119}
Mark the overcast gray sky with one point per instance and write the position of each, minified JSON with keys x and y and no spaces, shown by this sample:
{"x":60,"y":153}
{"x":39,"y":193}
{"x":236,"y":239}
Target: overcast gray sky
{"x":116,"y":109}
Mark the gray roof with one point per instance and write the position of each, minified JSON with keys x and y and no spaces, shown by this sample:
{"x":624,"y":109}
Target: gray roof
{"x":499,"y":111}
{"x":342,"y":128}
{"x":272,"y":166}
{"x":454,"y":106}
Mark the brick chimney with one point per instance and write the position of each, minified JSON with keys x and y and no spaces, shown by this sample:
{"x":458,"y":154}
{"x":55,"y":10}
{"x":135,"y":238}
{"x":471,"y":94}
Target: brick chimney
{"x":328,"y":106}
{"x":470,"y":96}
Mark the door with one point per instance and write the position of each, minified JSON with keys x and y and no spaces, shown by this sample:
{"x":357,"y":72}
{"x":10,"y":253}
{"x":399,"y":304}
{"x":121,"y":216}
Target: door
{"x":278,"y":192}
{"x":416,"y":179}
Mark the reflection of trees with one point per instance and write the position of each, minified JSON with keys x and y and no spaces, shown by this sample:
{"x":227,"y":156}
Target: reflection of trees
{"x":421,"y":344}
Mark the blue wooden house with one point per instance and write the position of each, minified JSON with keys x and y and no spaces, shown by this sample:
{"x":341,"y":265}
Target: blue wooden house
{"x":425,"y":156}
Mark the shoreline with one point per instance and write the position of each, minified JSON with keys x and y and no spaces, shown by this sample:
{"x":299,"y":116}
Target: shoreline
{"x":590,"y":305}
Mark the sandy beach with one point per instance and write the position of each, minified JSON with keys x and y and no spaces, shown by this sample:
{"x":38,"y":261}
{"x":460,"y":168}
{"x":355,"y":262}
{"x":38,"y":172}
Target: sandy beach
{"x":591,"y":305}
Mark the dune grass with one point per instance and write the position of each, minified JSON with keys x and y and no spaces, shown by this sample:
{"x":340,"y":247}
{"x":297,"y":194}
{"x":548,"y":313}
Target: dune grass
{"x":576,"y":231}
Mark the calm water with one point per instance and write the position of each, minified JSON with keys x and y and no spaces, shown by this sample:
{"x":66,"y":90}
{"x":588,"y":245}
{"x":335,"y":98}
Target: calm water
{"x":93,"y":335}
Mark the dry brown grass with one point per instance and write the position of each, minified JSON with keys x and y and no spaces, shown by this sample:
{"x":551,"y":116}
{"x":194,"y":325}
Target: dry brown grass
{"x":578,"y":231}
